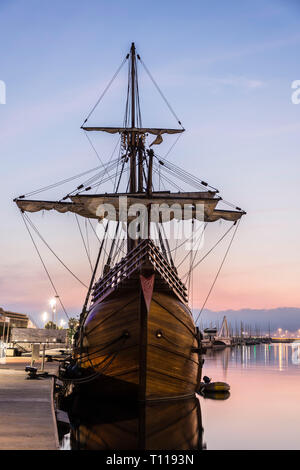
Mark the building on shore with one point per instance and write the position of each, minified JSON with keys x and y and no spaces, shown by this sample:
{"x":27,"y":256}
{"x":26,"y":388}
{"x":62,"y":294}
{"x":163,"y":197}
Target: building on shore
{"x":10,"y":320}
{"x":19,"y":332}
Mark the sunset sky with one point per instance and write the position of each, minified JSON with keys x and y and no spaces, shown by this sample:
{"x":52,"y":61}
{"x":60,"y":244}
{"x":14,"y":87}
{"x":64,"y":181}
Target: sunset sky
{"x":226,"y":68}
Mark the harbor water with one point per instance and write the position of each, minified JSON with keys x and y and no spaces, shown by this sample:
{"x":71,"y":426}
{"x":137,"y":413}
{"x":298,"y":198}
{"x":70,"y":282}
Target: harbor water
{"x":261,"y":412}
{"x":263,"y":409}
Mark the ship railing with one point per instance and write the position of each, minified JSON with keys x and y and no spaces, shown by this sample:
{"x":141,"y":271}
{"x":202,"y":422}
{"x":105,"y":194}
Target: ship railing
{"x":128,"y":265}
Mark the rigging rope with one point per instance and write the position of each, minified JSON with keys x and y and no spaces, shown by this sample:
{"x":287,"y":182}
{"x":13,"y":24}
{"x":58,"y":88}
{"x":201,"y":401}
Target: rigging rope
{"x":61,"y":182}
{"x":45,"y":268}
{"x":188,"y":177}
{"x":192,"y":259}
{"x":111,"y":357}
{"x":83,"y":241}
{"x":160,"y":92}
{"x":93,"y":180}
{"x":108,"y":163}
{"x":156,"y":170}
{"x":106,"y":89}
{"x":95,"y":233}
{"x":173,"y":145}
{"x":219,"y":270}
{"x":87,"y":237}
{"x":93,"y":147}
{"x":48,"y":246}
{"x":190,"y":270}
{"x":102,"y":182}
{"x":213,"y":247}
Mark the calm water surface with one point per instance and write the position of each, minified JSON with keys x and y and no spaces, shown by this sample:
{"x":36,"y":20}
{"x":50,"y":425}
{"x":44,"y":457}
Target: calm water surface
{"x":263,"y":410}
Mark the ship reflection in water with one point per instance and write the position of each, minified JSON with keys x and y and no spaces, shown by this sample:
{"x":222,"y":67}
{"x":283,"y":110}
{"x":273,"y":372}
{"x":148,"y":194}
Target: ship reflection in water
{"x":264,"y":394}
{"x":173,"y":425}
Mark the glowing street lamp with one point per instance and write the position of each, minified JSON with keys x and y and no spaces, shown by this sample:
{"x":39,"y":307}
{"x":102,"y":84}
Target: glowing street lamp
{"x":62,"y":323}
{"x":53,"y":307}
{"x":45,"y":317}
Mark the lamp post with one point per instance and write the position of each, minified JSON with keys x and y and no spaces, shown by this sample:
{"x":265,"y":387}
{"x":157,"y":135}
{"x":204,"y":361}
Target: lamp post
{"x":53,"y":307}
{"x":45,"y":317}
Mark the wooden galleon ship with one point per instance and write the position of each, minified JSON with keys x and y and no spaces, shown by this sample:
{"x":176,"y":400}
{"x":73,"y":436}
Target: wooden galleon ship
{"x":137,"y":337}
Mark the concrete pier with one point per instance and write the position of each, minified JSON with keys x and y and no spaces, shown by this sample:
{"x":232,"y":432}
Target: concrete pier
{"x":26,"y":408}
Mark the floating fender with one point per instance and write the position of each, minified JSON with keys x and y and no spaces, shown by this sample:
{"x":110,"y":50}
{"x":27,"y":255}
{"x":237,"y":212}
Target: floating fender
{"x":214,"y":387}
{"x":215,"y":395}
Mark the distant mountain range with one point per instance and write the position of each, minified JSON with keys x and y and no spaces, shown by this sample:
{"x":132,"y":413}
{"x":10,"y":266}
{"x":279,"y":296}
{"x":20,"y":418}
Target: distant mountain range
{"x":287,"y":318}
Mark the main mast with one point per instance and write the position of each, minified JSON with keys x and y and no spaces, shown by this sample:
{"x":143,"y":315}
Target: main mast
{"x":133,"y":79}
{"x":135,"y":140}
{"x":132,"y":133}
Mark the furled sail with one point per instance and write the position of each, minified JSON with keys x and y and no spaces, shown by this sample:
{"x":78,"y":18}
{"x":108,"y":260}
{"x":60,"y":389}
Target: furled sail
{"x":231,"y":216}
{"x":62,"y":207}
{"x":138,"y":130}
{"x":163,"y":206}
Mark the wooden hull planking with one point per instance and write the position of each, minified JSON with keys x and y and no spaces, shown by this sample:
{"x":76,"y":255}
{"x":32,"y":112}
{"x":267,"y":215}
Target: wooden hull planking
{"x":141,"y":354}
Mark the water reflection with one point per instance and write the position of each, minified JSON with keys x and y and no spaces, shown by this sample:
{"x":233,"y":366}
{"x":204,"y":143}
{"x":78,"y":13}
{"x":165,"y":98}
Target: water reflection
{"x":263,"y":399}
{"x":263,"y":410}
{"x":277,"y":355}
{"x":174,"y":425}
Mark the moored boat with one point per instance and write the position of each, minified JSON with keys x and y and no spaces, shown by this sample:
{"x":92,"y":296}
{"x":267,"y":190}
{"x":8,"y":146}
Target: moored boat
{"x":222,"y":339}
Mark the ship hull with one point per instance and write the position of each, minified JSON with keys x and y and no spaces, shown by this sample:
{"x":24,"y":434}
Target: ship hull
{"x":139,"y":352}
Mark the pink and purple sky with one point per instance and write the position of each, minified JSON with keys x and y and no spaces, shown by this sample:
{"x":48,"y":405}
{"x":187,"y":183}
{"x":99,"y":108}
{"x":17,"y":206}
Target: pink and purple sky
{"x":227,"y":69}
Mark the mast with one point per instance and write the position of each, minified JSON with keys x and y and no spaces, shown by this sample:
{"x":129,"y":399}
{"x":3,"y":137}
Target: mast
{"x":135,"y":140}
{"x":133,"y":134}
{"x":132,"y":59}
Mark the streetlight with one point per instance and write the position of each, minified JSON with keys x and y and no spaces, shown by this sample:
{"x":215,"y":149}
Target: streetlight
{"x":62,"y":323}
{"x":53,"y":306}
{"x":45,"y":317}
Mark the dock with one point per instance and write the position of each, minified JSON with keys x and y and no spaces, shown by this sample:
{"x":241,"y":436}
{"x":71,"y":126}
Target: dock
{"x":26,"y":408}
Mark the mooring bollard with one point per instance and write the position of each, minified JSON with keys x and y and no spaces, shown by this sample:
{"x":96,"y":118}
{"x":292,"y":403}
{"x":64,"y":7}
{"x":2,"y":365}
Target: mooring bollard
{"x":43,"y":358}
{"x":35,"y":353}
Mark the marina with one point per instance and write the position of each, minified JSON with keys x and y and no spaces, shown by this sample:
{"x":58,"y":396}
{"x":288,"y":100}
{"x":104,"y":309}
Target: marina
{"x":149,"y":278}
